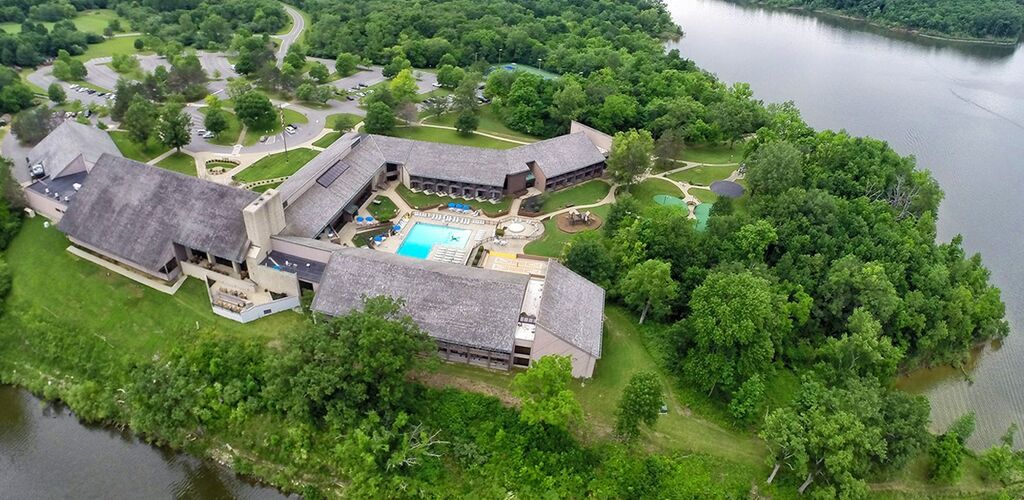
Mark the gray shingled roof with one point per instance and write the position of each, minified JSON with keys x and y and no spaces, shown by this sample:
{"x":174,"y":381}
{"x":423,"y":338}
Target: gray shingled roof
{"x":459,"y":304}
{"x":135,"y":211}
{"x":317,"y":205}
{"x":449,"y":162}
{"x":558,"y":155}
{"x":572,"y":308}
{"x":66,"y":142}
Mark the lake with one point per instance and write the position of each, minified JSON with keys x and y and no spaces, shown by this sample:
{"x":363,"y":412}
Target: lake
{"x":45,"y":452}
{"x":959,"y":108}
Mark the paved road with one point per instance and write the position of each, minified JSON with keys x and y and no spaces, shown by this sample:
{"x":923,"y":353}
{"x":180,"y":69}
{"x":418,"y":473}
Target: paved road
{"x":43,"y":77}
{"x":287,"y":39}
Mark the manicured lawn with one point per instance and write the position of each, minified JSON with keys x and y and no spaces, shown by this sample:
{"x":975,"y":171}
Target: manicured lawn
{"x":451,"y":137}
{"x":363,"y":239}
{"x":134,"y":150}
{"x":252,"y":136}
{"x":551,"y":243}
{"x":713,"y":154}
{"x":384,"y":210}
{"x":109,"y":47}
{"x":623,"y":353}
{"x":587,"y":193}
{"x":92,"y":21}
{"x":703,"y":175}
{"x":645,"y":191}
{"x":35,"y":88}
{"x":179,"y":162}
{"x":353,"y":119}
{"x":704,"y":195}
{"x":423,"y":201}
{"x":228,"y":136}
{"x":489,"y":123}
{"x":134,"y":319}
{"x":276,"y":165}
{"x":264,"y":187}
{"x":327,"y":140}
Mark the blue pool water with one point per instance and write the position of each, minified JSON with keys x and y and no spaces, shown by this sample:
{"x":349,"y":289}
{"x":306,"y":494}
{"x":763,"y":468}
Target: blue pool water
{"x":422,"y":237}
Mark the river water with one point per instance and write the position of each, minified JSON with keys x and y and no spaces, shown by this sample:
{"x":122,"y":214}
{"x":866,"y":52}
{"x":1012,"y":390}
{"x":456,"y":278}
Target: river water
{"x":959,"y":108}
{"x":45,"y":452}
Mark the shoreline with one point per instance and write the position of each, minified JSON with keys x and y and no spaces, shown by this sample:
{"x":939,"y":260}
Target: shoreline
{"x":892,"y":28}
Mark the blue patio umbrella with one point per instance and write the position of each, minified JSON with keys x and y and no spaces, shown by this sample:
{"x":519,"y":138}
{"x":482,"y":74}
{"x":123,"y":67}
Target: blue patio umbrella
{"x":369,"y":219}
{"x":359,"y":219}
{"x":396,"y":228}
{"x":451,"y":204}
{"x":460,"y":206}
{"x":378,"y":238}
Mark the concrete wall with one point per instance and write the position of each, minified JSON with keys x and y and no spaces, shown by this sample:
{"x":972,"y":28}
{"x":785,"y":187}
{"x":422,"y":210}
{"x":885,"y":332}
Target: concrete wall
{"x":45,"y":205}
{"x":202,"y":273}
{"x":544,"y":344}
{"x":516,"y":182}
{"x":540,"y":180}
{"x":264,"y":217}
{"x":274,"y":280}
{"x":298,"y":250}
{"x":256,"y":312}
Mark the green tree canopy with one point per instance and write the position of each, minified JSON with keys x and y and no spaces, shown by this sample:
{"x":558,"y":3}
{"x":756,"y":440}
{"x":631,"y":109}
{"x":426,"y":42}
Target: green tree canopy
{"x":630,"y":156}
{"x":639,"y":404}
{"x":543,"y":390}
{"x":255,"y":110}
{"x":649,"y":288}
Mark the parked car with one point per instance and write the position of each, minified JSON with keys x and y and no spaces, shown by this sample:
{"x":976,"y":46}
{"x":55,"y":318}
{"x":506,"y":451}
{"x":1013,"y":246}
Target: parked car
{"x":36,"y":171}
{"x":88,"y":113}
{"x":263,"y":138}
{"x":200,"y":131}
{"x":74,"y":86}
{"x":207,"y":134}
{"x":350,"y":98}
{"x":362,"y":85}
{"x":290,"y":129}
{"x":436,"y":85}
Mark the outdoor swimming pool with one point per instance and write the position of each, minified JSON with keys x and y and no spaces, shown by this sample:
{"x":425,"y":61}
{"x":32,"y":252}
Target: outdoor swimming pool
{"x":422,"y":237}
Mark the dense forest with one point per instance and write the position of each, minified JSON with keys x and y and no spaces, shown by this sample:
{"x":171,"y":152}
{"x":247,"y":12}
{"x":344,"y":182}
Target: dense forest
{"x":788,"y":317}
{"x":981,"y":19}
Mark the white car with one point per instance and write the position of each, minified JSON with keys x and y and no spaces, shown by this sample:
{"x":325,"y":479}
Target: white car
{"x":436,"y":84}
{"x":200,"y":131}
{"x":207,"y":134}
{"x":290,"y":129}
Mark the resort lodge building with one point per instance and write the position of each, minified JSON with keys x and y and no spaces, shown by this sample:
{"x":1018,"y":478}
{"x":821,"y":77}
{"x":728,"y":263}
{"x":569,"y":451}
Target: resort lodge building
{"x":257,"y":253}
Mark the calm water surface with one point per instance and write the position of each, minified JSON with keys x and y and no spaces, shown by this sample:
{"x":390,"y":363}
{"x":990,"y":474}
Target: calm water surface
{"x":46,"y":453}
{"x":958,"y":108}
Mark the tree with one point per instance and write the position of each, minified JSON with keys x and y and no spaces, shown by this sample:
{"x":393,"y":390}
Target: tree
{"x":863,"y":352}
{"x":141,"y":119}
{"x":749,"y":399}
{"x":344,"y":122}
{"x":668,"y":147}
{"x":32,"y":125}
{"x":255,"y":110}
{"x":588,"y":256}
{"x":736,"y":320}
{"x":174,"y":126}
{"x":774,"y":168}
{"x":379,"y":119}
{"x":139,"y":44}
{"x":640,"y":403}
{"x":450,"y":76}
{"x":356,"y":363}
{"x":68,"y":69}
{"x":946,"y":456}
{"x":56,"y":93}
{"x":630,"y":156}
{"x":467,"y":122}
{"x":403,"y":86}
{"x":397,"y":64}
{"x":216,"y":121}
{"x":543,"y":390}
{"x":319,"y":72}
{"x":569,"y":102}
{"x":649,"y":288}
{"x":346,"y":64}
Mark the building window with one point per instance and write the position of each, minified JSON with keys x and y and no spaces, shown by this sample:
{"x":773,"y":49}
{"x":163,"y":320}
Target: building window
{"x":522,"y":349}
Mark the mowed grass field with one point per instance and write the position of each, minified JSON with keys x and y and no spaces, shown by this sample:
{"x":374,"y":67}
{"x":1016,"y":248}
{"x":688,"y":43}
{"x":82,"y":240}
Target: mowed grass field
{"x":133,"y":318}
{"x":276,"y":165}
{"x":91,"y":21}
{"x":136,"y":151}
{"x":430,"y":134}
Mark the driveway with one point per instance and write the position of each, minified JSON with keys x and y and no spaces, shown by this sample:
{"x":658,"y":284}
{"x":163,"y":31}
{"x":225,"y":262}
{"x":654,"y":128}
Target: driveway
{"x":368,"y":77}
{"x":43,"y":77}
{"x":287,"y":39}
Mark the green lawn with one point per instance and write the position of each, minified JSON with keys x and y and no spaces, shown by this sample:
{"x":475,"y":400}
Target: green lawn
{"x":179,"y":162}
{"x":645,"y":191}
{"x":451,"y":137}
{"x":623,"y":353}
{"x":134,"y":319}
{"x":134,"y":150}
{"x":704,"y":195}
{"x":226,"y":165}
{"x":589,"y":192}
{"x":489,"y":123}
{"x":264,"y":187}
{"x":384,"y":210}
{"x":109,"y":47}
{"x":92,"y":21}
{"x":703,"y":175}
{"x":35,"y":88}
{"x":424,"y":201}
{"x":551,"y":243}
{"x":228,"y":136}
{"x":327,"y":139}
{"x":252,"y":136}
{"x":353,"y":119}
{"x":276,"y":165}
{"x":713,"y":154}
{"x":363,"y":239}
